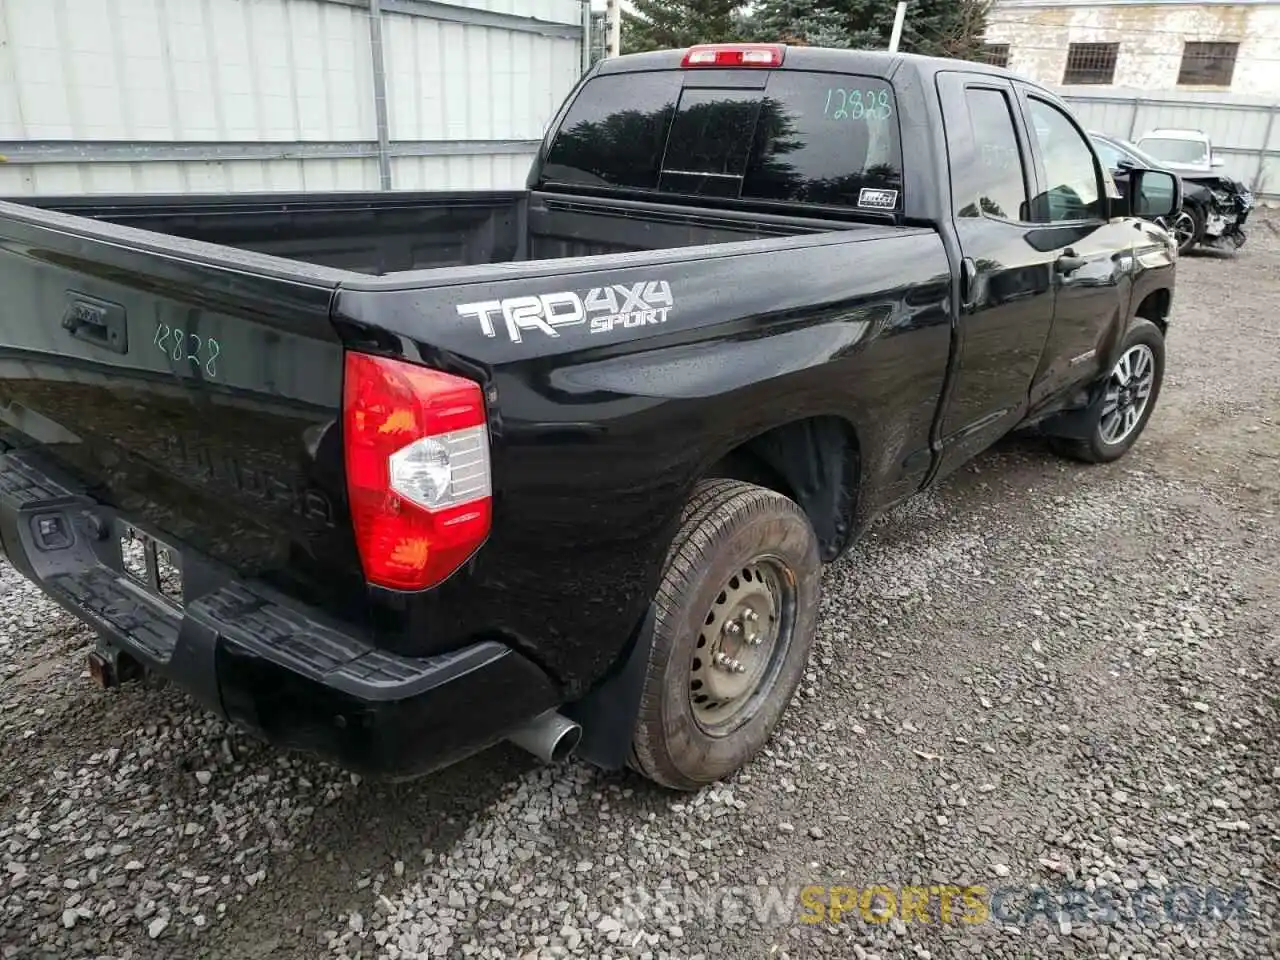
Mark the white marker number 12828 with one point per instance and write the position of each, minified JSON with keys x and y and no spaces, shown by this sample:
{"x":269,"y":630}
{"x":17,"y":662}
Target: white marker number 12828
{"x":176,"y":344}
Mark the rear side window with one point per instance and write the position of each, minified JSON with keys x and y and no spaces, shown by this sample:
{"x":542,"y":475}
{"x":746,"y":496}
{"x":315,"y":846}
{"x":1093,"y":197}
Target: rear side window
{"x":806,"y":137}
{"x":994,"y":186}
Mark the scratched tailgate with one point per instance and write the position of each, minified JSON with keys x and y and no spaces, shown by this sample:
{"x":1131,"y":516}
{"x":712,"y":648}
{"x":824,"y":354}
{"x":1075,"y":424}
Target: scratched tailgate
{"x":194,"y":388}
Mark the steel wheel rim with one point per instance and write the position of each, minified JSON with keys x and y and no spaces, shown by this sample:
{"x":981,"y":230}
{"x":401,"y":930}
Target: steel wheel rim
{"x":742,"y":645}
{"x":1128,"y":393}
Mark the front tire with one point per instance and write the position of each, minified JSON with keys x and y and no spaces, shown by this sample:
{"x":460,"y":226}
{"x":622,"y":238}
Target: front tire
{"x":1188,"y":227}
{"x":1130,"y":392}
{"x":736,"y":614}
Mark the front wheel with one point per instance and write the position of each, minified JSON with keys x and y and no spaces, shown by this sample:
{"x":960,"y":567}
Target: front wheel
{"x":1187,"y":228}
{"x":1129,"y":395}
{"x":736,"y":614}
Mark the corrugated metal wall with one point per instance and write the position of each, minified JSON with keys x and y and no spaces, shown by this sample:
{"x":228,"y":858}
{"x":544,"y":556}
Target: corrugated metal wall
{"x":142,"y":96}
{"x":1244,"y":130}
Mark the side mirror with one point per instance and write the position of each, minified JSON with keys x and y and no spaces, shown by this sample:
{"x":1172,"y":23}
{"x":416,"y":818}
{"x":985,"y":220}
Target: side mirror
{"x":1217,"y":161}
{"x":1154,"y":193}
{"x":1124,"y":163}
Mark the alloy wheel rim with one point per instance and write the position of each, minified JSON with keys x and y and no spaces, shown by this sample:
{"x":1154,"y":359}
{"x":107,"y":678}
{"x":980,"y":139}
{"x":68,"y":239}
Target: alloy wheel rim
{"x":1127,"y":394}
{"x":1184,"y":228}
{"x":742,"y":644}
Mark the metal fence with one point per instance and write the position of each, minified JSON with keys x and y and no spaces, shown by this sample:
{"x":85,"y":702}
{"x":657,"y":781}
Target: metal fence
{"x":133,"y":96}
{"x":1244,"y":130}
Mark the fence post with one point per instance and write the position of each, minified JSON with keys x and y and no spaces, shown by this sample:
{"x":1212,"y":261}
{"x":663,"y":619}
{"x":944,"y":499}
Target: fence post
{"x":380,"y":94}
{"x":1133,"y":119}
{"x":586,"y":34}
{"x":1258,"y":179}
{"x":613,"y":26}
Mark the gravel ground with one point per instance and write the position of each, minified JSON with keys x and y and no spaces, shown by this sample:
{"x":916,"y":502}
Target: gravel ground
{"x":1054,"y":683}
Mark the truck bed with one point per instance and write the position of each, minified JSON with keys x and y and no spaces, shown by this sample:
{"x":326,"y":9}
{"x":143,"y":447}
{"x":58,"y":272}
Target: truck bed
{"x":172,"y":420}
{"x":377,"y":234}
{"x":160,"y":355}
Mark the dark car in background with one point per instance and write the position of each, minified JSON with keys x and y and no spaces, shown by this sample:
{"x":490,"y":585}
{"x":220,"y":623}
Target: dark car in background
{"x":1120,"y":156}
{"x":1214,"y":207}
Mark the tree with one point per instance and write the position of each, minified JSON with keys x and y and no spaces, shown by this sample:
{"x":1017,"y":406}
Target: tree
{"x":799,"y":22}
{"x":944,"y":28}
{"x":947,"y":28}
{"x":663,"y":24}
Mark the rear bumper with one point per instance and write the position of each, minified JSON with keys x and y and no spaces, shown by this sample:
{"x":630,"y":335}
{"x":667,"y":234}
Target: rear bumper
{"x":267,"y":665}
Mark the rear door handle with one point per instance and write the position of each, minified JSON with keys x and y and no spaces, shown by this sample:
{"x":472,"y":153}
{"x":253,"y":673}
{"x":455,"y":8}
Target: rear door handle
{"x":1068,"y":263}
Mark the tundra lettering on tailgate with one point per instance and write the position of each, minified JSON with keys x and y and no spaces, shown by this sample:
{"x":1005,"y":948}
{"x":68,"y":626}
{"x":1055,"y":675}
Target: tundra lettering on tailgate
{"x":602,"y":309}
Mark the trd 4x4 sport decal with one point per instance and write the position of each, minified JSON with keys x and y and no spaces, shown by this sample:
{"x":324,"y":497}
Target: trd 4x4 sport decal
{"x":602,"y":309}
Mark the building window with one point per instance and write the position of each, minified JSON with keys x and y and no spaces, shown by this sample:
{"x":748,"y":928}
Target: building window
{"x":1091,"y":63}
{"x":996,"y":54}
{"x":1209,"y":64}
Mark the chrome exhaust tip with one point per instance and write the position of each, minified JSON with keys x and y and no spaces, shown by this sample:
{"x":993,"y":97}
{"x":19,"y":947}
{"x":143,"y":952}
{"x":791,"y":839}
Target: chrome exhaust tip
{"x":551,"y":737}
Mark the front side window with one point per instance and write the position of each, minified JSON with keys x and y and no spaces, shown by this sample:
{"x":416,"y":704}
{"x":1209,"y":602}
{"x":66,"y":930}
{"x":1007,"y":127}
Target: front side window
{"x":1072,"y":187}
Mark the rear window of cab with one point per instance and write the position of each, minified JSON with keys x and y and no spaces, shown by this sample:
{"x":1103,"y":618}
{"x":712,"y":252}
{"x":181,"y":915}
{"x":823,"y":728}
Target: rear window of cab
{"x":819,"y":138}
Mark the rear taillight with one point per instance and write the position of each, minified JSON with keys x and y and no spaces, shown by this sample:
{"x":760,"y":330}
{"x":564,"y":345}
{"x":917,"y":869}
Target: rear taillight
{"x":417,"y":454}
{"x":734,"y":55}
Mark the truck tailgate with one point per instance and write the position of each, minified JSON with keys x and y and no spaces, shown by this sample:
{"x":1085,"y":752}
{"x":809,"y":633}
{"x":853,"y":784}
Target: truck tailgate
{"x":194,"y":391}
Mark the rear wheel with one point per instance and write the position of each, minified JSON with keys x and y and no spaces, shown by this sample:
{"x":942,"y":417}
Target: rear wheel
{"x":736,"y":616}
{"x":1129,"y":395}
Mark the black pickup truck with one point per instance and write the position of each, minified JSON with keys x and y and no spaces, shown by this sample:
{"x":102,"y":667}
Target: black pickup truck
{"x":392,"y":477}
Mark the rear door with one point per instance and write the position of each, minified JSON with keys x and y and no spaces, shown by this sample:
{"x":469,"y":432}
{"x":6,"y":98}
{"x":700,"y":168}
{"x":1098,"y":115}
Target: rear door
{"x":1007,"y":267}
{"x":1093,"y":254}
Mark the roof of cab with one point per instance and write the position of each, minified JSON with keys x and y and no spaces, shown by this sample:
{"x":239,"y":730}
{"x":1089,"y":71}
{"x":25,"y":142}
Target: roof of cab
{"x":874,"y":63}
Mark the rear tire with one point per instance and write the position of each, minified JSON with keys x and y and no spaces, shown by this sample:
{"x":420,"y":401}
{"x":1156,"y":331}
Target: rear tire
{"x":736,"y":614}
{"x":1131,"y":391}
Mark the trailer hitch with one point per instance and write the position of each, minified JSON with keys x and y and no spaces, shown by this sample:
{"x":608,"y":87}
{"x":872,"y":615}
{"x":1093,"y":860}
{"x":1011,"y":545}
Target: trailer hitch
{"x":110,"y":666}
